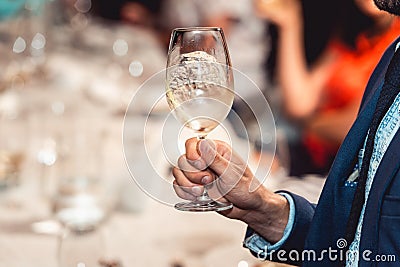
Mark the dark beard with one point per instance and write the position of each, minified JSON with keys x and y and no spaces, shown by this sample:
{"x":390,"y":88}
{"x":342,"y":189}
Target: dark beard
{"x":391,"y":6}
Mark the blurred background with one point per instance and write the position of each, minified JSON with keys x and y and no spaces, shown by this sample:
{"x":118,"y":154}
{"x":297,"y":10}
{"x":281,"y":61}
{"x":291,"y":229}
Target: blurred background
{"x":68,"y":70}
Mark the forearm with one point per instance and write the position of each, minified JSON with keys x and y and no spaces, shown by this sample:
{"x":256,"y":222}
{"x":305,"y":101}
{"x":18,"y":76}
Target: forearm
{"x":301,"y":84}
{"x":299,"y":97}
{"x":297,"y":82}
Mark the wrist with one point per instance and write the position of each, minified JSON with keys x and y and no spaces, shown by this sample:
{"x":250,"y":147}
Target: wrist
{"x":270,"y":218}
{"x":293,"y":18}
{"x":292,"y":26}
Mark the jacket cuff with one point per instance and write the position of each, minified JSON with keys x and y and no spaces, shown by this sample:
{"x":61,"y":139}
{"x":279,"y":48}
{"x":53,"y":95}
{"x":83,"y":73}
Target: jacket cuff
{"x":295,"y":239}
{"x":260,"y":247}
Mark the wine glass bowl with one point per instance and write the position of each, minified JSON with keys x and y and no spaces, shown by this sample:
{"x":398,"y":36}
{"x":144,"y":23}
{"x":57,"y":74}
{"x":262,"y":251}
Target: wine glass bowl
{"x":210,"y":40}
{"x":199,"y":89}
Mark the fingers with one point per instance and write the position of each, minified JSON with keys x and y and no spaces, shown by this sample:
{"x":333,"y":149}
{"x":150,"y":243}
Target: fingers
{"x":207,"y":163}
{"x":213,"y":159}
{"x":182,"y":193}
{"x":193,"y":155}
{"x":227,"y":166}
{"x":184,"y":184}
{"x":192,"y":173}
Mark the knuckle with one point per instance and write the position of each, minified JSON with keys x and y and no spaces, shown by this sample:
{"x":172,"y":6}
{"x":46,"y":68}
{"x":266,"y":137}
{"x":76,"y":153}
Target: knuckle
{"x":182,"y":161}
{"x":189,"y":176}
{"x":187,"y":142}
{"x":218,"y":158}
{"x":175,"y":172}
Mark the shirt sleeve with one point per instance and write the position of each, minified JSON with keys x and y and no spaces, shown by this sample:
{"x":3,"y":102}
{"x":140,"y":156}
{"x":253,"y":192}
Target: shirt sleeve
{"x":303,"y":213}
{"x":261,"y":247}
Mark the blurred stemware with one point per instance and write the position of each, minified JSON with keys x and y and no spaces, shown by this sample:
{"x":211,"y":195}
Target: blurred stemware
{"x":83,"y":198}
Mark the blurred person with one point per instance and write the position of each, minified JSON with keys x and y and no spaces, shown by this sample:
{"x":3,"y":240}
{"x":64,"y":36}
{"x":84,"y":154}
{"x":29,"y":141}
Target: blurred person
{"x":323,"y":61}
{"x":356,"y":220}
{"x":137,"y":12}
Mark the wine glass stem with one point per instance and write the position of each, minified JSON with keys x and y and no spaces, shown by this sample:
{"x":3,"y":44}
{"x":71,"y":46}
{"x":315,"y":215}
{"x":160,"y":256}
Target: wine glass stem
{"x":201,"y":137}
{"x":204,"y":196}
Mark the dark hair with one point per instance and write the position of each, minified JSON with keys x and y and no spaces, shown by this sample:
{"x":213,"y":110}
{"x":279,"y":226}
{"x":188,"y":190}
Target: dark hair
{"x":353,"y":22}
{"x":111,"y":9}
{"x":108,"y":9}
{"x":322,"y":21}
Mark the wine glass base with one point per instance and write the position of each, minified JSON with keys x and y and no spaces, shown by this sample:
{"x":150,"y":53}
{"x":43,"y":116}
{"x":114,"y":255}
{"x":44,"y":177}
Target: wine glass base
{"x":200,"y":206}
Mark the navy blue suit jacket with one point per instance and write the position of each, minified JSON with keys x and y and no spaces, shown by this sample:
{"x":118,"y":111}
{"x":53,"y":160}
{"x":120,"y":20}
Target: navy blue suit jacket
{"x":319,"y":227}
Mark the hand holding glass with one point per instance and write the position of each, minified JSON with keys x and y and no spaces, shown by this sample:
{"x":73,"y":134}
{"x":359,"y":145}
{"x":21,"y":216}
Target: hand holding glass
{"x":199,"y":89}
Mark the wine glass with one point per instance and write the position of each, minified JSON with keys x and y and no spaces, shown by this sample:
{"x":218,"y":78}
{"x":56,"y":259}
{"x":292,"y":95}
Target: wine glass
{"x":199,"y":89}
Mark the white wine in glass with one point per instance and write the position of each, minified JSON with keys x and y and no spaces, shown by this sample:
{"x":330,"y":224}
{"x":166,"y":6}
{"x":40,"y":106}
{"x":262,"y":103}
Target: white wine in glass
{"x":199,"y":89}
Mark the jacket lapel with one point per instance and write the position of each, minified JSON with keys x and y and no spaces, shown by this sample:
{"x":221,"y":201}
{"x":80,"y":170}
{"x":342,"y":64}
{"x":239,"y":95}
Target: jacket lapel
{"x":387,"y":169}
{"x":356,"y":136}
{"x":335,"y":201}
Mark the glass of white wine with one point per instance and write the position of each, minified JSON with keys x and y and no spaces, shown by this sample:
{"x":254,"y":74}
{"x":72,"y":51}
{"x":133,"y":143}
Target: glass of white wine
{"x":199,"y":89}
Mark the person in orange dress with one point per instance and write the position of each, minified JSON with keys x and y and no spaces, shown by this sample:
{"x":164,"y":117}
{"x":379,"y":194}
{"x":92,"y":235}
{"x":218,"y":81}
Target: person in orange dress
{"x":322,"y":98}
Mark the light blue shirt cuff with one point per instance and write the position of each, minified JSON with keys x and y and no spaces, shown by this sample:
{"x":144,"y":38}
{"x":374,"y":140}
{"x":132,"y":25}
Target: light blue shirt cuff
{"x":262,"y":247}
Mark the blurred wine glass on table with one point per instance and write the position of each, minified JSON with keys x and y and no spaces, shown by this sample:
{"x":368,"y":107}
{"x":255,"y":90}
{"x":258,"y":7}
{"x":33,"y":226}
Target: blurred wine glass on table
{"x":82,"y":198}
{"x":78,"y":202}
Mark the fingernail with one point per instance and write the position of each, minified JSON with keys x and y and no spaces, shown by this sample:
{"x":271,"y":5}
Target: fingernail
{"x":205,"y":147}
{"x":205,"y":179}
{"x":207,"y":150}
{"x":197,"y":190}
{"x":198,"y":165}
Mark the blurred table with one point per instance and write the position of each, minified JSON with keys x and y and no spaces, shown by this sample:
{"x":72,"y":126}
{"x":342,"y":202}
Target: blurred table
{"x":158,"y":237}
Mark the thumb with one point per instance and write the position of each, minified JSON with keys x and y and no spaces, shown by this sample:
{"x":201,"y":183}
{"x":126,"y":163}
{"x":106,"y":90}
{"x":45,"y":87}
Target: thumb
{"x":214,"y":160}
